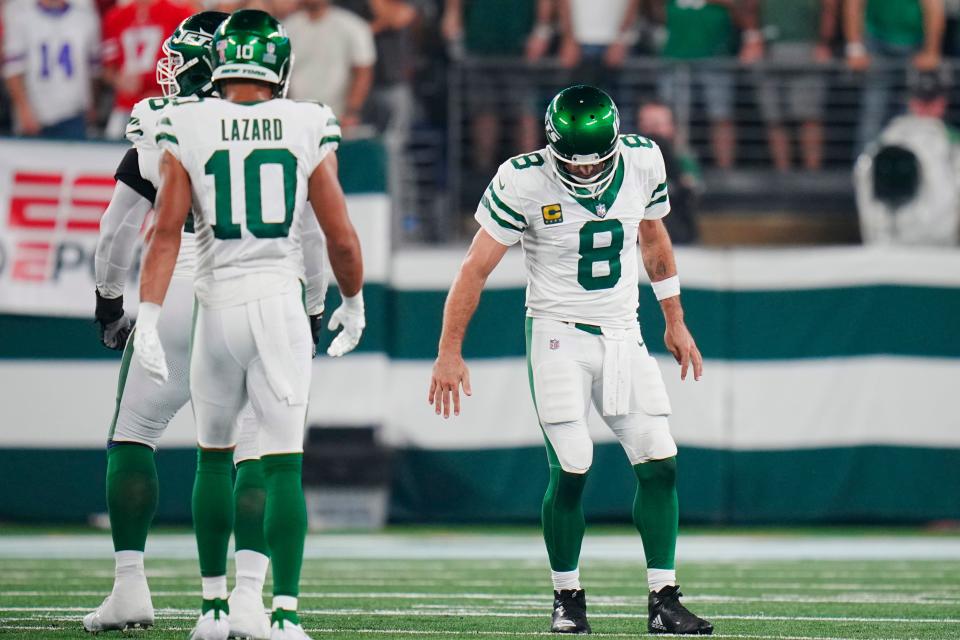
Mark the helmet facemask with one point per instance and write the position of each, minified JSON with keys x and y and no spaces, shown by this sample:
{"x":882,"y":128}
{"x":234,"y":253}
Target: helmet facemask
{"x":167,"y":70}
{"x":586,"y":187}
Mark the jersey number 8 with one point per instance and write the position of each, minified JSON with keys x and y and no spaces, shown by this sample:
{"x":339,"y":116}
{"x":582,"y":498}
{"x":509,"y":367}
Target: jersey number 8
{"x":218,"y":166}
{"x":590,"y":254}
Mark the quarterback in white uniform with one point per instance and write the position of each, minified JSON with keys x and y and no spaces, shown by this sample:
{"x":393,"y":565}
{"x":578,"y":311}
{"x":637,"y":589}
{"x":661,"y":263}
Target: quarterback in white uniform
{"x":247,"y":165}
{"x":579,"y":208}
{"x":143,"y":409}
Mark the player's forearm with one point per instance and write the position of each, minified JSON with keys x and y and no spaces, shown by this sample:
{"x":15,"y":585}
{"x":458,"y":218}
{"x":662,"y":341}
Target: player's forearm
{"x":933,"y":25}
{"x":828,"y":20}
{"x":460,"y":307}
{"x":346,"y":262}
{"x":158,"y":264}
{"x":661,"y":266}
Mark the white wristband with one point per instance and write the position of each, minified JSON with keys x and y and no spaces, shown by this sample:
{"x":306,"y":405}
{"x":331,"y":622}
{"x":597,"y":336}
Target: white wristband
{"x":668,"y":288}
{"x":147,"y":316}
{"x":855,"y":49}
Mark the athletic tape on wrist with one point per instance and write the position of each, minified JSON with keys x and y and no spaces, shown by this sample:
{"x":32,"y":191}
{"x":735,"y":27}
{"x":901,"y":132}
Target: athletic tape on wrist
{"x":668,"y":288}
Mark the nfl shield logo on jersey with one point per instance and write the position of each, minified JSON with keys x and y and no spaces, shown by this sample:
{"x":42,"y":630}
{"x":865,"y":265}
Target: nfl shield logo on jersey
{"x":601,"y":210}
{"x":554,"y":344}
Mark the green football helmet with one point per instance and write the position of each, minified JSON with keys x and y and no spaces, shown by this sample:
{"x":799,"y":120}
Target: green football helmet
{"x":583,"y":129}
{"x":185,"y":69}
{"x":252,"y":45}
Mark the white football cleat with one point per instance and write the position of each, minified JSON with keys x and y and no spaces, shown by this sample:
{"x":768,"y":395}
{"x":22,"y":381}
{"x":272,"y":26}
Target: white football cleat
{"x":127,"y":607}
{"x":285,"y":629}
{"x":248,"y":617}
{"x":289,"y":631}
{"x":212,"y":625}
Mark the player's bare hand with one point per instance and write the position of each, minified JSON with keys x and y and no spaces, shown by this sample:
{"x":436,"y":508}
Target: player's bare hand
{"x":615,"y":55}
{"x":536,"y":47}
{"x":569,"y":53}
{"x":822,"y":54}
{"x":450,"y":372}
{"x":751,"y":52}
{"x":858,"y":62}
{"x":681,"y":344}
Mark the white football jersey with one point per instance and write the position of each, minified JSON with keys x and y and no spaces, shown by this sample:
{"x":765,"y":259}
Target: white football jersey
{"x":249,"y":165}
{"x":580,"y":253}
{"x":57,"y":52}
{"x":142,"y":133}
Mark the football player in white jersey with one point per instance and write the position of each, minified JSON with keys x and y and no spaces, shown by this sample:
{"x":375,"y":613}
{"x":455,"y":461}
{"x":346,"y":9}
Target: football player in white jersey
{"x":247,"y":164}
{"x":144,"y":410}
{"x":579,"y":208}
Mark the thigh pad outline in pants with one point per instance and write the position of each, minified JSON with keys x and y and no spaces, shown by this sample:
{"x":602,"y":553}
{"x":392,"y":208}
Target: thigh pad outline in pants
{"x":644,"y":433}
{"x":222,"y":350}
{"x":145,"y":408}
{"x":248,"y":435}
{"x":562,"y":389}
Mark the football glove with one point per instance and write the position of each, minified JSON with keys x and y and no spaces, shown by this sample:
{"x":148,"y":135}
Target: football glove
{"x":316,"y":326}
{"x":350,"y":316}
{"x":146,"y":344}
{"x":114,"y":326}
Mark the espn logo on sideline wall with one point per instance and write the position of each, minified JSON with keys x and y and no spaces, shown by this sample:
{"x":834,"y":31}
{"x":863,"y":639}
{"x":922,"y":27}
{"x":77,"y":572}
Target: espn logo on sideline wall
{"x":61,"y":208}
{"x":52,"y":196}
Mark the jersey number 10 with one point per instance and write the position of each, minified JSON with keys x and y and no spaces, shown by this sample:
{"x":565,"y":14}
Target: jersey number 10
{"x":218,"y":166}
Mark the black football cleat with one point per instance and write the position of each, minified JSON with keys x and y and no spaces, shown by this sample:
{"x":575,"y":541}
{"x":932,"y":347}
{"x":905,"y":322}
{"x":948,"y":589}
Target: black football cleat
{"x":570,"y":612}
{"x":667,"y":615}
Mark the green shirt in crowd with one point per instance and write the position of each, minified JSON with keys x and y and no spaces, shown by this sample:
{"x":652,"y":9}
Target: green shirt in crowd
{"x":498,"y":27}
{"x":697,"y":29}
{"x":897,"y":22}
{"x":791,"y":20}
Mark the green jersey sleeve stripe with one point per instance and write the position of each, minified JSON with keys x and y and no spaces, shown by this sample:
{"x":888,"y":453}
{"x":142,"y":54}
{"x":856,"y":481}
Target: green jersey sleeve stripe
{"x":500,"y":221}
{"x":327,"y":139}
{"x":659,"y":200}
{"x":503,"y":207}
{"x":660,"y":187}
{"x":135,"y":132}
{"x":169,"y":137}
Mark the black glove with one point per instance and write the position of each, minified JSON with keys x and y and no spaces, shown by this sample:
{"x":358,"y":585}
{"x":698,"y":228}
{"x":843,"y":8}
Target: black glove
{"x":316,"y":325}
{"x":114,"y":326}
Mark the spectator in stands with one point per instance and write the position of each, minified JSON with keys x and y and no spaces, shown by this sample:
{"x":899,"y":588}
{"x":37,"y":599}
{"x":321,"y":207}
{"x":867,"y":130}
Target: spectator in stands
{"x":908,"y":181}
{"x":391,"y":101}
{"x":50,"y":51}
{"x":655,"y":121}
{"x":335,"y":53}
{"x":597,"y":31}
{"x":890,"y":31}
{"x":132,"y":36}
{"x":699,"y":31}
{"x":499,"y":28}
{"x":798,"y":35}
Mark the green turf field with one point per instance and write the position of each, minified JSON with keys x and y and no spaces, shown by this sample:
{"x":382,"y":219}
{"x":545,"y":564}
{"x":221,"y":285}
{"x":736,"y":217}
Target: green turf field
{"x":430,"y":594}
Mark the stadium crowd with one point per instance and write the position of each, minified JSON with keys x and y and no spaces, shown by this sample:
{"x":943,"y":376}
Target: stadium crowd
{"x":73,"y":69}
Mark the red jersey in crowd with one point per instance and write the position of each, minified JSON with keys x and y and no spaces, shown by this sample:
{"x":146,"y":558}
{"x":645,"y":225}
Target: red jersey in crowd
{"x":132,"y":35}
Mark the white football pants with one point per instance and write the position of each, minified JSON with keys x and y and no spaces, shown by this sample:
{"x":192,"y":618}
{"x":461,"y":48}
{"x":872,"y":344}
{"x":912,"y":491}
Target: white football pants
{"x":144,"y":409}
{"x":569,"y":367}
{"x":259,"y":352}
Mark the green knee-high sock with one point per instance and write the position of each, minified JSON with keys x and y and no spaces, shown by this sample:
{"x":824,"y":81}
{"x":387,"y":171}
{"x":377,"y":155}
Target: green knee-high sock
{"x":563,"y":522}
{"x":132,"y":494}
{"x":250,"y":494}
{"x":285,"y":520}
{"x":213,"y":510}
{"x":655,"y":511}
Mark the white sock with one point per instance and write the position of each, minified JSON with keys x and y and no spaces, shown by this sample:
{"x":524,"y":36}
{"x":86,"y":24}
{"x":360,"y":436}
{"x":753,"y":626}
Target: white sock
{"x":251,"y":569}
{"x":566,"y":580}
{"x":660,"y":578}
{"x":128,"y":564}
{"x":215,"y":587}
{"x":287,"y":603}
